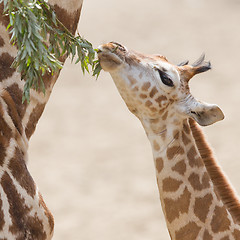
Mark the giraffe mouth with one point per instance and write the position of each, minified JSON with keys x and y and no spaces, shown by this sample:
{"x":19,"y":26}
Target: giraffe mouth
{"x":109,"y":57}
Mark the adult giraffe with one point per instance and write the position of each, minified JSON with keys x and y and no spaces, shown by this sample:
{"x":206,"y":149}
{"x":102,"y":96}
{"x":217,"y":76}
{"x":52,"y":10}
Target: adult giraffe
{"x":197,"y":200}
{"x":23,"y":213}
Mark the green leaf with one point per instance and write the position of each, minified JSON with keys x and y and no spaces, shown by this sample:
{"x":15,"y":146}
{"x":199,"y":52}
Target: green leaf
{"x":41,"y":39}
{"x":97,"y":69}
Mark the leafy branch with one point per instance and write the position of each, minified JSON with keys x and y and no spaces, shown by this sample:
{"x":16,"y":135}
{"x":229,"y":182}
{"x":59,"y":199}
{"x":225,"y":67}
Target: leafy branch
{"x":41,"y":40}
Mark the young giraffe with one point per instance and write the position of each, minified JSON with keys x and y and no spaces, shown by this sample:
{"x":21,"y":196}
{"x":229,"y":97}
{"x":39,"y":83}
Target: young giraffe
{"x":23,"y":213}
{"x":197,"y":201}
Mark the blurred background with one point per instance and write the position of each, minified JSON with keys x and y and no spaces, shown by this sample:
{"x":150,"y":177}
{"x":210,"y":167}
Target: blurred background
{"x":89,"y":155}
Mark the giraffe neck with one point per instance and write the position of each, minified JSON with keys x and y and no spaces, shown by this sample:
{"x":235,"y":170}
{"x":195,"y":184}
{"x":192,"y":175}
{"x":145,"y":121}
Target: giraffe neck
{"x":191,"y":205}
{"x":221,"y":183}
{"x":27,"y":115}
{"x":23,"y":213}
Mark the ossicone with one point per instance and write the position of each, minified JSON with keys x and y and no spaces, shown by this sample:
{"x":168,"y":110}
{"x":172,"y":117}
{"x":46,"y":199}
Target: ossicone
{"x":200,"y":65}
{"x":187,"y":71}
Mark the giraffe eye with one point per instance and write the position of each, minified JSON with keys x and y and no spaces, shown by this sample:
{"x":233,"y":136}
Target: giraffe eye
{"x":165,"y":78}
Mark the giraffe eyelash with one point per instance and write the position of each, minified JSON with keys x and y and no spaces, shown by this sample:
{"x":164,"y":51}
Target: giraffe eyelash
{"x":165,"y":78}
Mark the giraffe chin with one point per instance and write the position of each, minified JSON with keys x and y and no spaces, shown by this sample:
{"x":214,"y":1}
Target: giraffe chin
{"x":109,"y":61}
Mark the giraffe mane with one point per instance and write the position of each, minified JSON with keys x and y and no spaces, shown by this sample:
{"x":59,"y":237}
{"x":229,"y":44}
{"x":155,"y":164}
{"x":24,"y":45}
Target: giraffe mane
{"x":221,"y":183}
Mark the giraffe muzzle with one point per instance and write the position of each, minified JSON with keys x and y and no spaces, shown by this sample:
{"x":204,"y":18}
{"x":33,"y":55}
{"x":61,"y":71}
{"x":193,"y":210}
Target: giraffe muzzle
{"x":109,"y":57}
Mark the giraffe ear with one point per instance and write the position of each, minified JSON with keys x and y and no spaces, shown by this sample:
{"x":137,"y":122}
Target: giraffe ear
{"x":206,"y":114}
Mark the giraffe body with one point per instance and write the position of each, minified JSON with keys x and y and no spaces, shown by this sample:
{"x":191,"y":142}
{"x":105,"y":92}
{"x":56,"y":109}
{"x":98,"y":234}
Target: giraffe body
{"x":157,"y":92}
{"x":23,"y":213}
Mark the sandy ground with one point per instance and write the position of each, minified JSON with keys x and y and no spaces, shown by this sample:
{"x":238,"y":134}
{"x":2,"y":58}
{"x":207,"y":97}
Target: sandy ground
{"x":90,"y":157}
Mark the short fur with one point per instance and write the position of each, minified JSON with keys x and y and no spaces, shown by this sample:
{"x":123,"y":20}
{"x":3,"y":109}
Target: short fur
{"x":222,"y":185}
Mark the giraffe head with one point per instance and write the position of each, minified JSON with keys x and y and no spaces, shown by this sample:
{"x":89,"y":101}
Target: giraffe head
{"x":153,"y":88}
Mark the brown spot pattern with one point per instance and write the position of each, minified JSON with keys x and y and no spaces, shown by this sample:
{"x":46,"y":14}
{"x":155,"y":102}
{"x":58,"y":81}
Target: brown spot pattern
{"x":4,"y":128}
{"x":16,"y":94}
{"x":143,"y":96}
{"x":136,"y":89}
{"x":185,"y":139}
{"x":34,"y":117}
{"x":1,"y":42}
{"x":6,"y":61}
{"x":173,"y":151}
{"x":5,"y":136}
{"x":148,"y":103}
{"x":159,"y":164}
{"x":18,"y":168}
{"x":160,"y":99}
{"x":25,"y":226}
{"x":154,"y":120}
{"x":225,"y":238}
{"x":1,"y":215}
{"x":186,"y":128}
{"x":236,"y":234}
{"x":146,"y":86}
{"x":180,"y":167}
{"x":132,"y":79}
{"x":207,"y":236}
{"x":195,"y":182}
{"x":194,"y":159}
{"x":164,"y":117}
{"x":153,"y":92}
{"x":156,"y":145}
{"x":47,"y":212}
{"x":3,"y":18}
{"x":173,"y":208}
{"x":3,"y":146}
{"x":70,"y":21}
{"x":153,"y":109}
{"x":176,"y":134}
{"x":12,"y":112}
{"x":171,"y":184}
{"x":49,"y":79}
{"x":201,"y":207}
{"x":161,"y":111}
{"x":190,"y":231}
{"x":220,"y":221}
